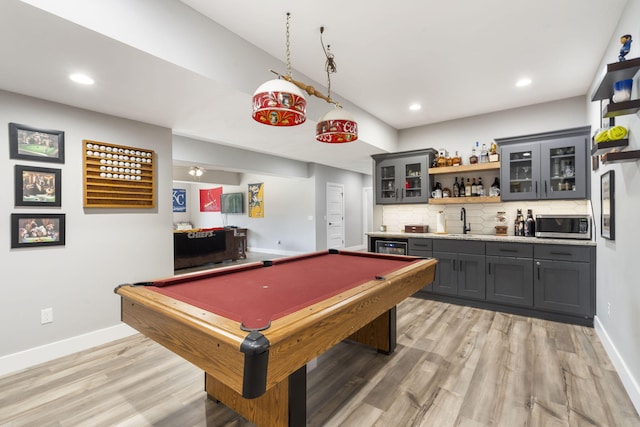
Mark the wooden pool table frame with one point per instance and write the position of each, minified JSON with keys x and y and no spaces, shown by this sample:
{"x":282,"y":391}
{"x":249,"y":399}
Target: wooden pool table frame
{"x":365,"y":313}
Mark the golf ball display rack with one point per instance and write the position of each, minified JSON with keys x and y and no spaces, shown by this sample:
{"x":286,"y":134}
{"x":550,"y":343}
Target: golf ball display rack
{"x":116,"y":176}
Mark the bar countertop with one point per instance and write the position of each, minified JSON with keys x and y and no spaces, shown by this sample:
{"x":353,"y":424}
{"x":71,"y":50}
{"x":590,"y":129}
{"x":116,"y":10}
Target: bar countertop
{"x":481,"y":237}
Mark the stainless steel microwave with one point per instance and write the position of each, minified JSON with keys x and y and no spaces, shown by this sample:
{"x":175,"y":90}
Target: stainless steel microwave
{"x":563,"y":226}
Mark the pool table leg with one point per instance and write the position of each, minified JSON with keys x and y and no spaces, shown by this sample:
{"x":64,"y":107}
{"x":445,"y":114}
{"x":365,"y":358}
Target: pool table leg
{"x":284,"y":405}
{"x":380,"y":333}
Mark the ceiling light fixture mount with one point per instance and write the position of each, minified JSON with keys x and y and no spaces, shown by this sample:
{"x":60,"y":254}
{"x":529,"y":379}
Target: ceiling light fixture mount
{"x":196,"y":172}
{"x":280,"y":102}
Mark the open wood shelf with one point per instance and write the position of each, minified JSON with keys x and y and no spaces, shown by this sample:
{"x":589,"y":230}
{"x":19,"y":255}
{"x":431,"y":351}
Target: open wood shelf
{"x":608,"y":146}
{"x":615,"y":72}
{"x":466,"y":200}
{"x":465,"y":168}
{"x":621,"y":156}
{"x":621,"y":108}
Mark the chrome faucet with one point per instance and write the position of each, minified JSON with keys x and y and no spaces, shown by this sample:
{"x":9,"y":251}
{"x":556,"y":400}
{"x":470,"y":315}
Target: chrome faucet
{"x":463,"y":218}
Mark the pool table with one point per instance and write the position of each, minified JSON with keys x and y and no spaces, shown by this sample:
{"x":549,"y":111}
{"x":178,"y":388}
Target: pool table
{"x":253,"y":328}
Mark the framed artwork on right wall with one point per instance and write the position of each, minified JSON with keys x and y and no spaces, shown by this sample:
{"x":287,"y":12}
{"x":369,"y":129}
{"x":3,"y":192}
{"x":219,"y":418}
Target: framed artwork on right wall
{"x":607,"y":199}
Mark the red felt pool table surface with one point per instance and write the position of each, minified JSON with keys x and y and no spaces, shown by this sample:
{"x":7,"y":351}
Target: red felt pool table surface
{"x":256,"y":294}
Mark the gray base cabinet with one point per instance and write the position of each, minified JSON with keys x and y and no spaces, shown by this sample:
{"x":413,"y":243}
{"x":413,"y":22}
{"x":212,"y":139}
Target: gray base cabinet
{"x":510,"y":280}
{"x":552,"y":281}
{"x":564,"y":279}
{"x":422,"y":248}
{"x":461,"y":268}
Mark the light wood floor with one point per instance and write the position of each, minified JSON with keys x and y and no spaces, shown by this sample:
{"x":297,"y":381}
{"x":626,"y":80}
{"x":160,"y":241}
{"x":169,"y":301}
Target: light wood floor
{"x":454,"y":366}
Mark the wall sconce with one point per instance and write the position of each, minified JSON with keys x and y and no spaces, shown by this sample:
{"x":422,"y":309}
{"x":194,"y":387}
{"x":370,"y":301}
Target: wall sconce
{"x":280,"y":102}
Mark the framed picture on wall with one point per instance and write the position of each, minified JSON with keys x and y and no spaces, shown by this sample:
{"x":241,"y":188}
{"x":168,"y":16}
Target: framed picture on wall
{"x":607,"y":192}
{"x":33,"y":229}
{"x":37,"y":186}
{"x":41,"y":145}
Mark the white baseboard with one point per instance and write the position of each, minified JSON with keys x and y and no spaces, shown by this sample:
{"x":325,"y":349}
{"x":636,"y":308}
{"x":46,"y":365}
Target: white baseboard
{"x":630,"y":383}
{"x":34,"y":356}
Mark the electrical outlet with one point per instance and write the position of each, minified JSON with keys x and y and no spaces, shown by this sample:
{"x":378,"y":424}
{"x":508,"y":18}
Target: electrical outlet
{"x":609,"y":309}
{"x":46,"y":315}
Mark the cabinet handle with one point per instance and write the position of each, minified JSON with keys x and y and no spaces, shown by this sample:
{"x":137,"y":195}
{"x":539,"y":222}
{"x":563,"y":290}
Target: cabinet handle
{"x":454,"y":265}
{"x":489,"y":268}
{"x":396,"y":193}
{"x":508,"y":250}
{"x":538,"y":271}
{"x":559,"y":253}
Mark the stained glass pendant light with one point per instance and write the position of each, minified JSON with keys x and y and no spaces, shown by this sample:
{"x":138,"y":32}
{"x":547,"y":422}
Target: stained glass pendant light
{"x":279,"y":102}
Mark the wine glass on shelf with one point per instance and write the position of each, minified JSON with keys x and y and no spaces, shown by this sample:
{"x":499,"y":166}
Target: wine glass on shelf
{"x":525,"y":170}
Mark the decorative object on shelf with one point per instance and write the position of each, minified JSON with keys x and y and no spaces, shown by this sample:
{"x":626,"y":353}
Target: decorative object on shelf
{"x":117,"y":176}
{"x":30,"y":230}
{"x":280,"y":102}
{"x":41,"y":145}
{"x":256,"y":200}
{"x":622,"y":90}
{"x":607,"y":199}
{"x":196,"y":172}
{"x":626,"y":41}
{"x":38,"y":186}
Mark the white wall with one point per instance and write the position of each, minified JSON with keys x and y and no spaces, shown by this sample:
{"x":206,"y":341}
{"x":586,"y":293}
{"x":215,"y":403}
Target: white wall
{"x":104,"y":247}
{"x":617,"y":275}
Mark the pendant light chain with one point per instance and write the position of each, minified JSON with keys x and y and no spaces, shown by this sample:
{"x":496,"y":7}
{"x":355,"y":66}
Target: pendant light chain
{"x":330,"y":64}
{"x":288,"y":47}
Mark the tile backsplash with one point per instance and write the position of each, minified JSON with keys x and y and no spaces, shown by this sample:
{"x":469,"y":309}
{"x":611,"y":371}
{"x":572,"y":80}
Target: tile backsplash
{"x":482,"y":216}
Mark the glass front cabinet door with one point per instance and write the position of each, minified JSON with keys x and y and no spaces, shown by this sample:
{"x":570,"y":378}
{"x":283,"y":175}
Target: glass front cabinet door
{"x":545,"y":166}
{"x":402,"y":177}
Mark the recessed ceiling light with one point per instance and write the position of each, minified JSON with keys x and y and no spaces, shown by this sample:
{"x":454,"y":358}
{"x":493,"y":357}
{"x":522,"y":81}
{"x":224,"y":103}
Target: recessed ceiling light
{"x":523,"y":82}
{"x":415,"y":107}
{"x":83,"y":79}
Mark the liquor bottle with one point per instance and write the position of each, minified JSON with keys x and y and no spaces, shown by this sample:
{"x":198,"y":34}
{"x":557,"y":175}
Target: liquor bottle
{"x":530,"y":225}
{"x":474,"y":156}
{"x":480,"y":187}
{"x":496,"y":183}
{"x":484,"y":154}
{"x":467,"y":188}
{"x":474,"y":188}
{"x":457,"y":160}
{"x":518,"y":226}
{"x":456,"y":188}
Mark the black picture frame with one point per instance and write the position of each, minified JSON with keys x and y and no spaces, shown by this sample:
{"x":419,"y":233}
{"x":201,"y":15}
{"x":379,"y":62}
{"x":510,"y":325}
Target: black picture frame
{"x":35,"y":186}
{"x":41,"y":145}
{"x":608,"y":206}
{"x":35,"y":229}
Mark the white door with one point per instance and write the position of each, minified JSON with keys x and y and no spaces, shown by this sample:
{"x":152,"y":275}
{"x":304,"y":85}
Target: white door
{"x":335,"y":216}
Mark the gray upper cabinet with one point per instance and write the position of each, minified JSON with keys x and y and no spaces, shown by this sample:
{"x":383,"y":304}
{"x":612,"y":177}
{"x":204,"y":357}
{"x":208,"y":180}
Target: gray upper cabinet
{"x":402,"y":177}
{"x":546,"y":166}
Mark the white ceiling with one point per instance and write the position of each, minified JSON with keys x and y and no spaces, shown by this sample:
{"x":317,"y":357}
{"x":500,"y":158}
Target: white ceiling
{"x":457,"y":58}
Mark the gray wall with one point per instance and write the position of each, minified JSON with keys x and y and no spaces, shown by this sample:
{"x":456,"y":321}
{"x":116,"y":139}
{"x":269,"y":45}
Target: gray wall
{"x":617,"y":275}
{"x":104,"y":247}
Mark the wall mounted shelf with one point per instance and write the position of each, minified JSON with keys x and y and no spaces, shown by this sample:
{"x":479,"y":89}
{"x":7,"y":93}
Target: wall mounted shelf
{"x":621,"y":156}
{"x":465,"y":168}
{"x":465,"y":200}
{"x":615,"y":72}
{"x":608,"y":146}
{"x":621,"y":108}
